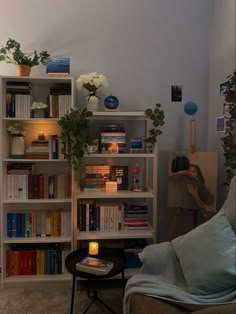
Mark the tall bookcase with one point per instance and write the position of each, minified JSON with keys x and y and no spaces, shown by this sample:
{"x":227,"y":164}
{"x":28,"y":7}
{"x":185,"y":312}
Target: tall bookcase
{"x":34,"y":255}
{"x":136,"y":125}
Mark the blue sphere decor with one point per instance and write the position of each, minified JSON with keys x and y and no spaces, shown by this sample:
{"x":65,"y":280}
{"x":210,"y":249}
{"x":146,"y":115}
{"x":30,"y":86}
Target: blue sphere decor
{"x":190,"y":108}
{"x":111,"y":102}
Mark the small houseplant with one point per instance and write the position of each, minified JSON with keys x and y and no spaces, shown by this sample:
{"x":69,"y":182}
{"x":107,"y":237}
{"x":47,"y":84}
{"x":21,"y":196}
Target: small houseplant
{"x":12,"y":53}
{"x":92,"y":82}
{"x":17,"y":131}
{"x":76,"y":139}
{"x":229,"y":140}
{"x":157,"y":118}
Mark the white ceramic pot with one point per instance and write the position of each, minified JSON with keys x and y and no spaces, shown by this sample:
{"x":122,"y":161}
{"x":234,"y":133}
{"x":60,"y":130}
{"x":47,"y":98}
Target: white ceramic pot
{"x":17,"y":147}
{"x":92,"y":102}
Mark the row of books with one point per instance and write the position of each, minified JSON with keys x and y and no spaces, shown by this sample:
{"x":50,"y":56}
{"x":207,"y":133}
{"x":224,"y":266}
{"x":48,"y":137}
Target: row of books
{"x":40,"y":260}
{"x":100,"y":216}
{"x":19,"y":98}
{"x":45,"y":149}
{"x":38,"y":186}
{"x":48,"y":223}
{"x":112,"y":217}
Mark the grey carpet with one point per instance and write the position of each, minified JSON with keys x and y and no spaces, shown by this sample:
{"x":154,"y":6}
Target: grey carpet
{"x":57,"y":300}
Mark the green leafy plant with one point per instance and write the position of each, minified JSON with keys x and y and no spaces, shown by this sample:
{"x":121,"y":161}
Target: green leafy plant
{"x":75,"y":135}
{"x":157,"y":117}
{"x":12,"y":53}
{"x":229,"y":140}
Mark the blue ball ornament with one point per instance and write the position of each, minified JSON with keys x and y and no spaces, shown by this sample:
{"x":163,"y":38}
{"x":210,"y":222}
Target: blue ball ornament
{"x":111,"y":102}
{"x":190,"y":108}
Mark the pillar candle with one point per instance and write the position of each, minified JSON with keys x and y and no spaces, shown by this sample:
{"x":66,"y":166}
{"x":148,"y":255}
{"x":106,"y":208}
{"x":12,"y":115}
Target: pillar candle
{"x":93,"y":248}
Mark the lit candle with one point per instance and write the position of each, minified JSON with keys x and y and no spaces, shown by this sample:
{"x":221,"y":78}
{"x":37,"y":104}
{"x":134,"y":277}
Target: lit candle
{"x":114,"y":148}
{"x":93,"y":248}
{"x":41,"y":136}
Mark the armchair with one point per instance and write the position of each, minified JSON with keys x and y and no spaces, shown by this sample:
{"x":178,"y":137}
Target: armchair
{"x":194,"y":273}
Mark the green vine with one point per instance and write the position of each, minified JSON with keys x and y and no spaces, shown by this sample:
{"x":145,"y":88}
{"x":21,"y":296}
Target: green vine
{"x":157,"y":117}
{"x":75,"y":137}
{"x":229,"y":140}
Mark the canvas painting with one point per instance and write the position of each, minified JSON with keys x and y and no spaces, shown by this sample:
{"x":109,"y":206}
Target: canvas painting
{"x":192,"y":180}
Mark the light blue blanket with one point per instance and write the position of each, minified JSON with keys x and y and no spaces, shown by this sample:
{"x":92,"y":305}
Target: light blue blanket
{"x":161,"y":276}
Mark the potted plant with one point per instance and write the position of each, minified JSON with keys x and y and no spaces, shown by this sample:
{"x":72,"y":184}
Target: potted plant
{"x":157,"y":117}
{"x":76,"y":139}
{"x":39,"y":109}
{"x":229,"y":140}
{"x":17,"y":131}
{"x":92,"y":82}
{"x":12,"y":53}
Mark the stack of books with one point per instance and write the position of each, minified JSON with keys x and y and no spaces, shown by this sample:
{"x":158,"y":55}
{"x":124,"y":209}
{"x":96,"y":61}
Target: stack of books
{"x":95,"y":177}
{"x":113,"y":139}
{"x":38,"y":150}
{"x":135,"y":216}
{"x":95,"y":266}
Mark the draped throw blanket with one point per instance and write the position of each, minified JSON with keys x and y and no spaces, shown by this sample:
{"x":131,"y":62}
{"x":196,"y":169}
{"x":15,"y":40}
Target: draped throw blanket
{"x":161,"y":276}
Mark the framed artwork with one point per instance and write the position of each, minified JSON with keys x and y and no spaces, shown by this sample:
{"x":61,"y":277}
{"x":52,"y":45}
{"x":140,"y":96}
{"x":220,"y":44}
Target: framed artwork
{"x":176,"y":93}
{"x":220,"y":124}
{"x":192,"y":177}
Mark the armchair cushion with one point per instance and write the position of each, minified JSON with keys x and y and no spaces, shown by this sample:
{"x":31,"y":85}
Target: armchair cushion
{"x":207,"y":256}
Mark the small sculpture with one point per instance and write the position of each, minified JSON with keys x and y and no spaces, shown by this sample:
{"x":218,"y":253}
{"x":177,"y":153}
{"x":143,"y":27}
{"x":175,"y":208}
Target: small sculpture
{"x":137,"y":179}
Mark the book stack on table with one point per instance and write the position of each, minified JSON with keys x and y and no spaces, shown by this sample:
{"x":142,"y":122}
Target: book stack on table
{"x":95,"y":266}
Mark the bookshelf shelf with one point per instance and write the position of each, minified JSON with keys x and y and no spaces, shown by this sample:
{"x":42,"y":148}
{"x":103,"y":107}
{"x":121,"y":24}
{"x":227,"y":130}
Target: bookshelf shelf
{"x":35,"y":193}
{"x":118,"y":195}
{"x":99,"y":235}
{"x":36,"y":278}
{"x":36,"y":201}
{"x":37,"y":240}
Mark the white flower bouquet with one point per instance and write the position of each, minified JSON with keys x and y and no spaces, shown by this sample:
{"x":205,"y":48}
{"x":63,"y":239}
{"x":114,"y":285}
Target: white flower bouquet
{"x":92,"y":81}
{"x":16,"y":129}
{"x":38,"y":105}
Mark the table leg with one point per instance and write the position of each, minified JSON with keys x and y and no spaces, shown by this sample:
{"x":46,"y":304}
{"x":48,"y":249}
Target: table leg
{"x":123,"y":281}
{"x":72,"y":296}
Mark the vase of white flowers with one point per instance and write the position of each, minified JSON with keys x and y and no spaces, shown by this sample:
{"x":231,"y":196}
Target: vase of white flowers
{"x":39,"y":110}
{"x":92,"y":82}
{"x":17,"y":131}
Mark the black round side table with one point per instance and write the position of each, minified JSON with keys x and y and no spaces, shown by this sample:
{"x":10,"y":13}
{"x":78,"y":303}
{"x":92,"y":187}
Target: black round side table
{"x":114,"y":255}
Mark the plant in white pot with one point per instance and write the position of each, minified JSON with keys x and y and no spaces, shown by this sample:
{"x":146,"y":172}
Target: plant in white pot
{"x":17,"y":132}
{"x":92,"y":82}
{"x":39,"y":109}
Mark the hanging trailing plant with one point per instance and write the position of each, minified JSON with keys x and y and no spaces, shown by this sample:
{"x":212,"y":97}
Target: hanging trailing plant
{"x":229,"y":140}
{"x":157,"y":117}
{"x":75,"y":137}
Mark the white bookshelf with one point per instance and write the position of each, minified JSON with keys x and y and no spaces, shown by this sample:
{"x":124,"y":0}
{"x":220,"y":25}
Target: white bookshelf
{"x":40,"y":89}
{"x":135,"y":122}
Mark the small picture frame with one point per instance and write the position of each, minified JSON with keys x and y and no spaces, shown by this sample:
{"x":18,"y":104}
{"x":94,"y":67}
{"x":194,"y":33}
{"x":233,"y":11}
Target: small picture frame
{"x":220,"y":124}
{"x":176,"y":93}
{"x":222,"y":88}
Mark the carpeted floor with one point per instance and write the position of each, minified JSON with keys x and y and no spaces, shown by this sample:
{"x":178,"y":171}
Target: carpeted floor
{"x":57,"y":300}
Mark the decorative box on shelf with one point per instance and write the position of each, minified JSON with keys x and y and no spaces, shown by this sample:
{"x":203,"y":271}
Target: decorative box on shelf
{"x":111,"y":186}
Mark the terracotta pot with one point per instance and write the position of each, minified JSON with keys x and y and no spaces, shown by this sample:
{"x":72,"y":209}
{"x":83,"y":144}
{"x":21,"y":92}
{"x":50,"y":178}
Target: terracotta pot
{"x":23,"y":70}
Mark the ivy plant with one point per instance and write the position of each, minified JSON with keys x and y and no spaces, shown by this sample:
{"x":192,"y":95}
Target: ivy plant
{"x":229,"y":140}
{"x":75,"y":137}
{"x":157,"y":118}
